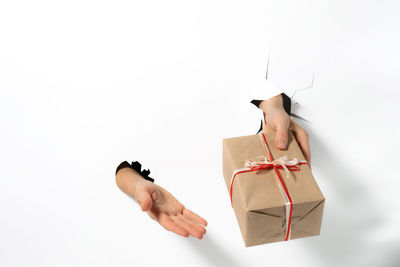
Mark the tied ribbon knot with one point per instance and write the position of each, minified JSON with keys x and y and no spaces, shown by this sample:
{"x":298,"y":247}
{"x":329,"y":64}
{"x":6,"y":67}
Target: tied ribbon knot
{"x":281,"y":163}
{"x":284,"y":163}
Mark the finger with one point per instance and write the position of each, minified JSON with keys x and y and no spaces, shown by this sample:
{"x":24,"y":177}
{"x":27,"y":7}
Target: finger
{"x":193,"y":216}
{"x":194,"y":224}
{"x":143,"y":197}
{"x":188,"y":227}
{"x":302,"y":139}
{"x":281,"y":137}
{"x":169,"y":225}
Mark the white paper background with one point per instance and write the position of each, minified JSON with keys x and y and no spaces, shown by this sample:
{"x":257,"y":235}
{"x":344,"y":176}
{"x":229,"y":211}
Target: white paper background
{"x":85,"y":85}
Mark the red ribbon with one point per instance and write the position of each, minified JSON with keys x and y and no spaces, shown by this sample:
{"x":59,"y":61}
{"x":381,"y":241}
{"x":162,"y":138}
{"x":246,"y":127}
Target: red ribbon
{"x":282,"y":183}
{"x":270,"y":166}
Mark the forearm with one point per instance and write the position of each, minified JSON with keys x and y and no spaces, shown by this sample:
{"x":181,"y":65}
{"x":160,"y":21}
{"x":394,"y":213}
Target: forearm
{"x":126,"y":180}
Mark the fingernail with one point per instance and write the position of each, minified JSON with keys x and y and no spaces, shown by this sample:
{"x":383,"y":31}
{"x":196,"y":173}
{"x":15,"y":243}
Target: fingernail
{"x":281,"y":144}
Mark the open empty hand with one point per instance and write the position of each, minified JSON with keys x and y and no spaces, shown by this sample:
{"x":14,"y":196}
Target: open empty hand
{"x":163,"y":207}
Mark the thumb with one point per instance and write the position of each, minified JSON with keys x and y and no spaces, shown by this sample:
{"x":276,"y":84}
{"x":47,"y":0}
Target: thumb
{"x":281,"y":137}
{"x":143,"y":197}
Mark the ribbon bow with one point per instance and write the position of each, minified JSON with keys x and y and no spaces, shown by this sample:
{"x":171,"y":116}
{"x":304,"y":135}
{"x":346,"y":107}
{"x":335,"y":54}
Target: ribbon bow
{"x":281,"y":163}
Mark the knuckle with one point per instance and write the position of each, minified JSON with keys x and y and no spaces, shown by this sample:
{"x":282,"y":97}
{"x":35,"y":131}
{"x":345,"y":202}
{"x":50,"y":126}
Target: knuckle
{"x":155,"y":195}
{"x":283,"y":120}
{"x":171,"y":212}
{"x":286,"y":116}
{"x":179,"y":208}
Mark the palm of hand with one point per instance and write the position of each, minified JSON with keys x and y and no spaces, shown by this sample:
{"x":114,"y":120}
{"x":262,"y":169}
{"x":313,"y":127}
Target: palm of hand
{"x":164,"y":208}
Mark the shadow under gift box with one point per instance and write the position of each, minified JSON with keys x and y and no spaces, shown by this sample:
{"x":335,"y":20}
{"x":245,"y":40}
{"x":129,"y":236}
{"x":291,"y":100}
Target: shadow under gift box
{"x":257,"y":200}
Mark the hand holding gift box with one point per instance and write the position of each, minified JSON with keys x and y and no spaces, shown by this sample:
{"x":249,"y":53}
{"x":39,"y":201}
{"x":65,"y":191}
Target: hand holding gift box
{"x":274,"y":200}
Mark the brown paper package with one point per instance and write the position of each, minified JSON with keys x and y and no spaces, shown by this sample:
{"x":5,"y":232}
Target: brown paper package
{"x":257,"y":200}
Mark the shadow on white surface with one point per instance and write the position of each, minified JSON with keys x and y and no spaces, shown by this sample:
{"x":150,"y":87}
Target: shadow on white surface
{"x":350,"y":214}
{"x":210,"y":251}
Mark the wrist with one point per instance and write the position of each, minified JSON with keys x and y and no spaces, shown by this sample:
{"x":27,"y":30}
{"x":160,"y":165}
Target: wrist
{"x":126,"y":179}
{"x":273,"y":102}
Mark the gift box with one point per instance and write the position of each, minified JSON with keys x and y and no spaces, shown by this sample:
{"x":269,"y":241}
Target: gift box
{"x":273,"y":192}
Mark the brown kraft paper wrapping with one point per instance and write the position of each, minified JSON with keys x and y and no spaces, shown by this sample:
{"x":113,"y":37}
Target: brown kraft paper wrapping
{"x":257,"y":200}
